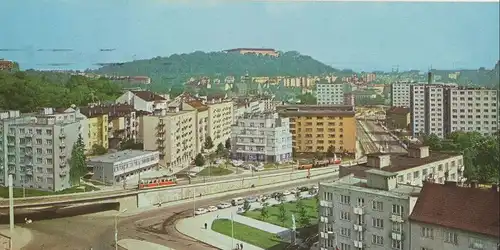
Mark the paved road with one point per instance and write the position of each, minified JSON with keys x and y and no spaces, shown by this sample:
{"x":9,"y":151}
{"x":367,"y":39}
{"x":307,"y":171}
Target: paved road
{"x":382,"y":137}
{"x":366,"y":143}
{"x":97,"y":230}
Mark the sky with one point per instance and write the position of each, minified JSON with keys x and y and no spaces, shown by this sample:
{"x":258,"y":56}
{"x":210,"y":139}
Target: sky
{"x":363,"y":36}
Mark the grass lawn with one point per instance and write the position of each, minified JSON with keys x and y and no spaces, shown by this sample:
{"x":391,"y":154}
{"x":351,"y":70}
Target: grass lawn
{"x":18,"y":192}
{"x":214,"y":171}
{"x":246,"y":234}
{"x":273,"y":211}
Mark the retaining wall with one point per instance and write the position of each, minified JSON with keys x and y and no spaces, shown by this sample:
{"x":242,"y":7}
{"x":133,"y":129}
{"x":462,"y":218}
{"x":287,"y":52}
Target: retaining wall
{"x":153,"y":197}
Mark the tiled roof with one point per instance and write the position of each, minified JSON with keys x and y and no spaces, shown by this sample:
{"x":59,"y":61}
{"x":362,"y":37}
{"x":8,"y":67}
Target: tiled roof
{"x":116,"y":110}
{"x":469,"y":209}
{"x":148,"y":96}
{"x":198,"y":105}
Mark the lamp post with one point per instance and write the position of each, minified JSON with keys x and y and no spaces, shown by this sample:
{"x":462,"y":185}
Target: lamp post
{"x":116,"y":227}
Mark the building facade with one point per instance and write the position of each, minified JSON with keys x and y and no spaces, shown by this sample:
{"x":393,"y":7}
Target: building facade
{"x":36,"y":148}
{"x":450,"y":217}
{"x":116,"y":167}
{"x":171,"y":132}
{"x":201,"y":123}
{"x":220,"y":119}
{"x":398,"y":118}
{"x":369,"y":213}
{"x":143,"y":100}
{"x":315,"y":128}
{"x":330,"y":93}
{"x":261,"y":137}
{"x":400,"y":94}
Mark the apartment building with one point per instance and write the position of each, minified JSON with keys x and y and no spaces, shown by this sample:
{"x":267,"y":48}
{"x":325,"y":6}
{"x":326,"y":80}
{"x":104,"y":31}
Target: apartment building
{"x":116,"y":167}
{"x":315,"y":128}
{"x":247,"y":105}
{"x":400,"y":94}
{"x":330,"y":93}
{"x":452,"y":217}
{"x":171,"y":132}
{"x":300,"y":82}
{"x":201,"y":123}
{"x":97,"y":128}
{"x":220,"y":119}
{"x":398,"y":118}
{"x":35,"y":148}
{"x":143,"y":100}
{"x":369,"y":213}
{"x":349,"y":99}
{"x":442,"y":109}
{"x":263,"y":137}
{"x":414,"y":167}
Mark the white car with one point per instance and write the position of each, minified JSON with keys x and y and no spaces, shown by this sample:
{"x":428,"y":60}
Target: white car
{"x":286,"y":192}
{"x":293,"y":191}
{"x":223,"y":205}
{"x":200,"y":211}
{"x":212,"y":208}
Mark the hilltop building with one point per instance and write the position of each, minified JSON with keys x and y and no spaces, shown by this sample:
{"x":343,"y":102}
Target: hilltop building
{"x":243,"y":51}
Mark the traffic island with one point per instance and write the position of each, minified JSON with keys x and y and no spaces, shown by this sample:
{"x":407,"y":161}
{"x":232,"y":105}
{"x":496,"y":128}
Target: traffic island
{"x":214,"y":171}
{"x":250,"y":235}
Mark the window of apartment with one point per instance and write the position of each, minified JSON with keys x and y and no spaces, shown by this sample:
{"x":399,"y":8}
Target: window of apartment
{"x":327,"y":211}
{"x":451,"y":237}
{"x":50,"y":170}
{"x":39,"y":151}
{"x":345,"y":199}
{"x":397,"y":227}
{"x":327,"y":196}
{"x":48,"y":151}
{"x":39,"y":141}
{"x":416,"y":174}
{"x":377,"y":240}
{"x":48,"y":161}
{"x":346,"y":232}
{"x":440,"y":167}
{"x":377,"y":205}
{"x":378,"y":223}
{"x":48,"y":131}
{"x":361,"y":202}
{"x":38,"y":131}
{"x":396,"y":244}
{"x":425,"y":248}
{"x":345,"y":215}
{"x":475,"y":243}
{"x":408,"y":177}
{"x":397,"y":209}
{"x":344,"y":246}
{"x":401,"y":178}
{"x":427,"y":232}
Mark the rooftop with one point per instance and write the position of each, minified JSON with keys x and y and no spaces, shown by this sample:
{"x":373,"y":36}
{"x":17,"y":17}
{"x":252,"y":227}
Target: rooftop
{"x":315,"y":110}
{"x":148,"y":96}
{"x":398,"y":110}
{"x":120,"y":156}
{"x":469,"y":209}
{"x":198,"y":105}
{"x":113,"y":110}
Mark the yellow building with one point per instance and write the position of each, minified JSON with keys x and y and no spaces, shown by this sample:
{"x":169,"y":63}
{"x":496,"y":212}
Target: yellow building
{"x":315,"y":128}
{"x":97,"y":131}
{"x":172,"y":132}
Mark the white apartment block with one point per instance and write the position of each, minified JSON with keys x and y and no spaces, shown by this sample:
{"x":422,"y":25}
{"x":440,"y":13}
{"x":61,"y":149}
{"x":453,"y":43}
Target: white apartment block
{"x":261,"y":137}
{"x":113,"y":168}
{"x":171,"y":132}
{"x":330,"y":93}
{"x":220,"y":119}
{"x":428,"y":111}
{"x":400,"y":94}
{"x":143,"y":100}
{"x":474,"y":110}
{"x":413,"y":168}
{"x":369,"y":213}
{"x":36,"y":148}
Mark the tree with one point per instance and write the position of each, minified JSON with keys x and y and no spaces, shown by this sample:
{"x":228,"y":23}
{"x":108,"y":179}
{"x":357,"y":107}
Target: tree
{"x":307,"y":98}
{"x":303,"y":217}
{"x":220,"y":149}
{"x":330,"y":151}
{"x":246,"y":206}
{"x":209,"y":143}
{"x":199,"y":160}
{"x":98,"y":150}
{"x":264,"y":212}
{"x":282,"y":215}
{"x":131,"y":144}
{"x":433,"y":141}
{"x":316,"y":197}
{"x":228,"y":143}
{"x":299,"y":204}
{"x":78,"y":162}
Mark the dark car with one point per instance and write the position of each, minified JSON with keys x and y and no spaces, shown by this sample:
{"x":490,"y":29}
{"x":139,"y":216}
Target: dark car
{"x":276,"y":195}
{"x":303,"y":189}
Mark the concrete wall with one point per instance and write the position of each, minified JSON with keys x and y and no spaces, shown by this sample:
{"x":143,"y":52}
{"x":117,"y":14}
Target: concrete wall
{"x":154,"y":197}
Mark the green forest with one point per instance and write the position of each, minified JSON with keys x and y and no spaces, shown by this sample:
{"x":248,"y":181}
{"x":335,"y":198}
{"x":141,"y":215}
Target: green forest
{"x":176,"y":69}
{"x":481,"y":157}
{"x":480,"y":77}
{"x":30,"y":90}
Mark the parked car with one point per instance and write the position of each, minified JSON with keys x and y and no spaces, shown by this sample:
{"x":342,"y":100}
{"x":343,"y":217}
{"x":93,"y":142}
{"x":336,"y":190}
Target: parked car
{"x":293,"y":191}
{"x":237,"y":201}
{"x":276,"y":195}
{"x":223,"y":205}
{"x":240,"y":210}
{"x":212,"y":208}
{"x":303,"y":189}
{"x":200,"y":211}
{"x":251,"y":199}
{"x":263,"y":198}
{"x":287,"y":192}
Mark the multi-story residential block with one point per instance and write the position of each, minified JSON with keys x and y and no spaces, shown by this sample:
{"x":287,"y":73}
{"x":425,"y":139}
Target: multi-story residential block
{"x":246,"y":105}
{"x":400,"y":94}
{"x":261,"y":137}
{"x":369,"y":213}
{"x":201,"y":123}
{"x":116,"y":167}
{"x":349,"y":99}
{"x":452,"y":217}
{"x":441,"y":109}
{"x":330,"y":93}
{"x":143,"y":100}
{"x":398,"y":118}
{"x":299,"y":82}
{"x":97,"y":121}
{"x":35,"y":148}
{"x":220,"y":119}
{"x":315,"y":128}
{"x":414,"y":167}
{"x":171,"y":132}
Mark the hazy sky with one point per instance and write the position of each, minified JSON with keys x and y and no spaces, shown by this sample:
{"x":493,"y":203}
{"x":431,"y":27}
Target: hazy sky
{"x":361,"y":36}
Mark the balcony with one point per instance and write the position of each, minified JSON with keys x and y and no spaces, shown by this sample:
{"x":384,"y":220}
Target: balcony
{"x":62,"y":155}
{"x":63,"y":173}
{"x":323,"y":235}
{"x":28,"y":135}
{"x":160,"y":139}
{"x":29,"y":172}
{"x":359,"y":228}
{"x":161,"y":131}
{"x":324,"y":219}
{"x":28,"y":144}
{"x":326,"y":203}
{"x":62,"y":164}
{"x":359,"y":244}
{"x":62,"y":135}
{"x":397,"y":235}
{"x":62,"y":145}
{"x":359,"y":210}
{"x":397,"y":218}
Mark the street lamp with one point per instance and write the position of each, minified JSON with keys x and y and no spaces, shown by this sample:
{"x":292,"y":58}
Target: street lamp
{"x":116,"y":227}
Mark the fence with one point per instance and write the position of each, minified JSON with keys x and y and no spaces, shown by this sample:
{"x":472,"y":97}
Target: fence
{"x":5,"y":242}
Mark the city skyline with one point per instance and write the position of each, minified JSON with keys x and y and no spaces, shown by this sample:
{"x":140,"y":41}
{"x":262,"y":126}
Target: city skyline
{"x":359,"y":36}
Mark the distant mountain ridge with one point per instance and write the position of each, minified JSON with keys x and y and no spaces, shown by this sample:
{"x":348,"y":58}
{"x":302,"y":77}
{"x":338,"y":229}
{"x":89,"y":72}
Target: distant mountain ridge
{"x":177,"y":68}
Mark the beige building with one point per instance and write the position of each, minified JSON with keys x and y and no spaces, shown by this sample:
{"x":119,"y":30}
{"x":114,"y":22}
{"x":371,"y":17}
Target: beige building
{"x":201,"y":123}
{"x":172,"y":132}
{"x":220,"y":119}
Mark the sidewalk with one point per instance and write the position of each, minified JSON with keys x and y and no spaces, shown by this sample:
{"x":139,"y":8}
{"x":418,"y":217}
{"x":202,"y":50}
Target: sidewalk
{"x":20,"y":237}
{"x":131,"y":244}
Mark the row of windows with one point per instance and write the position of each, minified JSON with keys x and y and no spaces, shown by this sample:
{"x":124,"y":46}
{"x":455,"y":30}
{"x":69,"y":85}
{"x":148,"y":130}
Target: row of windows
{"x":451,"y":238}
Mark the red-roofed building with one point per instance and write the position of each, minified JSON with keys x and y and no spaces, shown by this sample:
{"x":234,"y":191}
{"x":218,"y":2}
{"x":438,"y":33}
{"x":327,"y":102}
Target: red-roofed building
{"x":143,"y":100}
{"x":6,"y":65}
{"x":452,"y":217}
{"x":267,"y":52}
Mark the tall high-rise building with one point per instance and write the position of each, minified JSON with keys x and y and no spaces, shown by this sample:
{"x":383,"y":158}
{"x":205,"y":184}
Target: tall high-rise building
{"x":400,"y":94}
{"x":330,"y":93}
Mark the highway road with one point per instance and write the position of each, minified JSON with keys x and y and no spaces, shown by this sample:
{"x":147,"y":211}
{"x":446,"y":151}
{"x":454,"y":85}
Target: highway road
{"x":157,"y":226}
{"x":383,"y":138}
